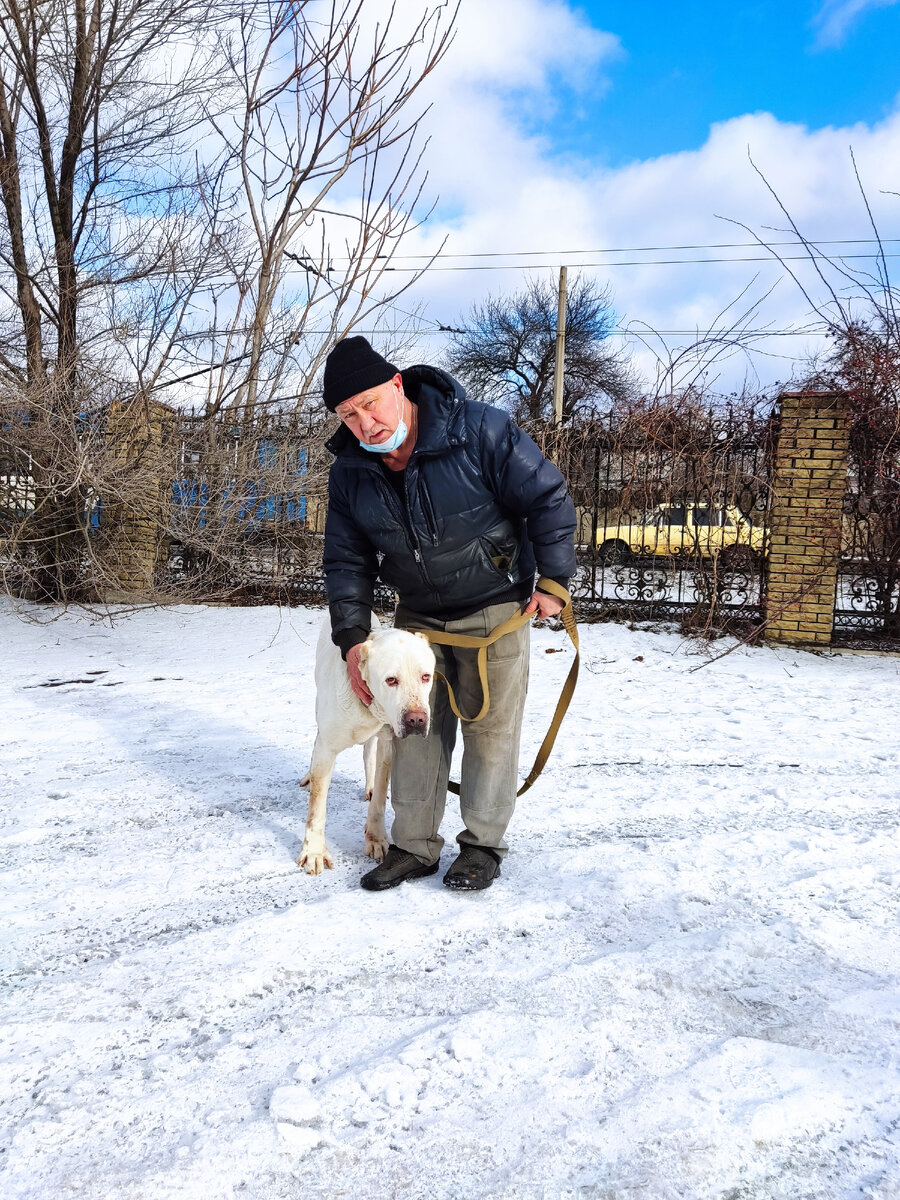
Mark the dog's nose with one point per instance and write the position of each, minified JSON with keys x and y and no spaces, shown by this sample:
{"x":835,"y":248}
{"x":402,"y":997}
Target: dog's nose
{"x":415,"y":721}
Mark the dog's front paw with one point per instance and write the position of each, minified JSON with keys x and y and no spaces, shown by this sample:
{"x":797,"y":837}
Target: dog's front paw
{"x":315,"y":857}
{"x":376,"y":844}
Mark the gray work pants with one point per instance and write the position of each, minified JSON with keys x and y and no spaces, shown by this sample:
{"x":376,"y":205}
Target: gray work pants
{"x":489,"y":777}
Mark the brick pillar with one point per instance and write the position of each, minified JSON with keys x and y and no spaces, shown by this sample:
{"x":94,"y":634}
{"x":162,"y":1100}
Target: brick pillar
{"x":805,"y":527}
{"x":133,"y":514}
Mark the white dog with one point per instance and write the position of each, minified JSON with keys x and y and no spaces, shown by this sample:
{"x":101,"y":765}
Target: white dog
{"x":398,"y":668}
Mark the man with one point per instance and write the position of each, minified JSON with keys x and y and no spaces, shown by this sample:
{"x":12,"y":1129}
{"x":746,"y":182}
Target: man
{"x":453,"y":506}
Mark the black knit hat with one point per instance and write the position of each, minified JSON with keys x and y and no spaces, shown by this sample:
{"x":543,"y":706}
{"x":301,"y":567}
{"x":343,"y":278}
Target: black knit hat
{"x":353,"y":367}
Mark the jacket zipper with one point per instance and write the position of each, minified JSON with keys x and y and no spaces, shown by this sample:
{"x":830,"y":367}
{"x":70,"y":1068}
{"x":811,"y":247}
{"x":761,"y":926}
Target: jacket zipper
{"x":428,"y":510}
{"x":414,"y":537}
{"x":402,"y":513}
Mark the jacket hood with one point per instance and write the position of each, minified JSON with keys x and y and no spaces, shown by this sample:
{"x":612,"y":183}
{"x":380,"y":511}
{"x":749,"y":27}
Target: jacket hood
{"x":415,"y":377}
{"x":439,"y":398}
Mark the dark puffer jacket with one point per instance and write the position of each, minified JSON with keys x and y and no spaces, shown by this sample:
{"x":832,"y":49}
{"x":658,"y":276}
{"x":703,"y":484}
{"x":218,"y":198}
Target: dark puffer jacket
{"x":481,"y":507}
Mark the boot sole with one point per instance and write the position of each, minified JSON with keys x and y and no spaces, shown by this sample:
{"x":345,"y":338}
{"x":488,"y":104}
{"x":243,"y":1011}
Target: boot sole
{"x":382,"y":885}
{"x":461,"y":883}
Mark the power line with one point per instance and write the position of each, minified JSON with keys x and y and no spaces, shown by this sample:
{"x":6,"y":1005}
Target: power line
{"x":633,"y":249}
{"x":812,"y":256}
{"x":620,"y":332}
{"x":649,"y":262}
{"x":617,"y":332}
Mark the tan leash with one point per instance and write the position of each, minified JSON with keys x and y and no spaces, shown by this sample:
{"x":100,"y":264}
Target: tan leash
{"x":481,"y":644}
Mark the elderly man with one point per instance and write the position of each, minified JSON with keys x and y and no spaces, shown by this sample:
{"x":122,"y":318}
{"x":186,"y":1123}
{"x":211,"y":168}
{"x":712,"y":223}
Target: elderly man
{"x":453,"y":506}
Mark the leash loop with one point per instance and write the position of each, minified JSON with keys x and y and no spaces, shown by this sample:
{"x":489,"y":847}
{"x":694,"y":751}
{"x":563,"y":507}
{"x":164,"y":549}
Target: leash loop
{"x":481,"y":644}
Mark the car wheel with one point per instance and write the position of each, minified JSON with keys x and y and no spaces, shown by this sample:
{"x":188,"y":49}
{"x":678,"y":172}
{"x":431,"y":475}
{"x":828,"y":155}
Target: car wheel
{"x":739,"y":558}
{"x":613,"y":552}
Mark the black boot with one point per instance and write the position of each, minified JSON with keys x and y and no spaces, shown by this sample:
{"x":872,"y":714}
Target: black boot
{"x":473,"y":870}
{"x":396,"y":866}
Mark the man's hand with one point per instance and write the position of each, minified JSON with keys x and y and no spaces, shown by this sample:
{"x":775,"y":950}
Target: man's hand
{"x":357,"y":682}
{"x":542,"y":604}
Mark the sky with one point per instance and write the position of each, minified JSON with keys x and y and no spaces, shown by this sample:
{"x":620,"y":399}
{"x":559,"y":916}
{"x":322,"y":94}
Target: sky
{"x":559,"y":132}
{"x":674,"y":77}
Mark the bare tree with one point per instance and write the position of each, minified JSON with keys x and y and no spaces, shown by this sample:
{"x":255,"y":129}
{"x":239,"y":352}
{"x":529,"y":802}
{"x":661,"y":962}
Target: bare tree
{"x":324,"y":145}
{"x":860,"y":311}
{"x":95,"y":200}
{"x":189,"y":194}
{"x":505,"y":352}
{"x":324,"y":157}
{"x":864,"y":364}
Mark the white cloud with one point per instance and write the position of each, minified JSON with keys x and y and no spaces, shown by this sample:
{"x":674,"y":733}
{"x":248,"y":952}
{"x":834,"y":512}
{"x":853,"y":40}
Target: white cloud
{"x":834,"y":18}
{"x":523,"y":44}
{"x":502,"y":189}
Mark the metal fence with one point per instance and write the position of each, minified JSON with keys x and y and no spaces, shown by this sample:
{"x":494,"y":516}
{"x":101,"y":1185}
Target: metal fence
{"x":239,"y":490}
{"x":672,"y":516}
{"x":867,"y":603}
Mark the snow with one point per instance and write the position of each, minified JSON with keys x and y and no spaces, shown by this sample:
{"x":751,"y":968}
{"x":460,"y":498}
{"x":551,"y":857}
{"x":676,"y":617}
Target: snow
{"x":686,"y":982}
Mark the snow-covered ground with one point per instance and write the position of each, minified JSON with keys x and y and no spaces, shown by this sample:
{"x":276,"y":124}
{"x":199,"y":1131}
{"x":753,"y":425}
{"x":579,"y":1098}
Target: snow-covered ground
{"x":685,"y":984}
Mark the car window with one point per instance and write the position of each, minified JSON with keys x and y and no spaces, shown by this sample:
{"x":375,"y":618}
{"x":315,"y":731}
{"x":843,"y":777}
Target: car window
{"x":711,"y":517}
{"x":674,"y":515}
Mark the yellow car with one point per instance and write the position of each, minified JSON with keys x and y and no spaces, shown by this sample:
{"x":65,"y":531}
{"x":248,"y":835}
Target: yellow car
{"x":691,"y":529}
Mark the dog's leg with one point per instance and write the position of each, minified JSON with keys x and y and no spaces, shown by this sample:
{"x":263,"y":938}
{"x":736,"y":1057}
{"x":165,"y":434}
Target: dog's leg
{"x":376,"y":834}
{"x":315,"y":855}
{"x":370,"y":763}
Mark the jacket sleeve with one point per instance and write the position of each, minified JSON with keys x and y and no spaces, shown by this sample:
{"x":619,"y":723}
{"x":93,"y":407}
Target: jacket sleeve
{"x":530,"y":487}
{"x":351,"y":568}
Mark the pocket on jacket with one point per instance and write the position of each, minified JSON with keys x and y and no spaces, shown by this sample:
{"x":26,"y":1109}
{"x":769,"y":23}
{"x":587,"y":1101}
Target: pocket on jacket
{"x":500,"y":560}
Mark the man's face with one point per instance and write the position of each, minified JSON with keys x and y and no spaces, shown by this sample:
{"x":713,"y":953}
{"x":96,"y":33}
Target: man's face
{"x":373,"y":415}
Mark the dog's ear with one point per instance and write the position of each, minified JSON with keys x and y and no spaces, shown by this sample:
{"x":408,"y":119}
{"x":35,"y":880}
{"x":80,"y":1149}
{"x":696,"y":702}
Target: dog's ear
{"x":364,"y":656}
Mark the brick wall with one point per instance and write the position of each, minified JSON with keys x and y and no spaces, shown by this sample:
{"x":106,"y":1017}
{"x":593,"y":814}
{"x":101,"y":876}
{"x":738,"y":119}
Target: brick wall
{"x":805,"y":528}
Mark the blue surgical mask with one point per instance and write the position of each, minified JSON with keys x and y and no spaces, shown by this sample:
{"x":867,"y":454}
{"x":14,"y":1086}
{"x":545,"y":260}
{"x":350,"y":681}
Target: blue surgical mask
{"x":397,"y":438}
{"x":394,"y":442}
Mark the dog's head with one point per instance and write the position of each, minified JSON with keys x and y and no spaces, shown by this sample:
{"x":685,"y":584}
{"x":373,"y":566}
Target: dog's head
{"x":398,"y":667}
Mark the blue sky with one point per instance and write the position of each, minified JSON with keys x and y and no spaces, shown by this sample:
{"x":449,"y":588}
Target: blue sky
{"x":562,"y":129}
{"x":685,"y":67}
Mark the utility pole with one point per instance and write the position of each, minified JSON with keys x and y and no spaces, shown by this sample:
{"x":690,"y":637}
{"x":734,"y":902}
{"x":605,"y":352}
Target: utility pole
{"x":560,"y":350}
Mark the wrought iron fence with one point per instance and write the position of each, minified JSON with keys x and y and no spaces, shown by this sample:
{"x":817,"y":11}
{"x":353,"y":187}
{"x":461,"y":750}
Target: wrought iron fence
{"x":672,"y":506}
{"x":16,"y":482}
{"x":867,"y":603}
{"x":672,"y":514}
{"x":240,"y":487}
{"x":671,"y":511}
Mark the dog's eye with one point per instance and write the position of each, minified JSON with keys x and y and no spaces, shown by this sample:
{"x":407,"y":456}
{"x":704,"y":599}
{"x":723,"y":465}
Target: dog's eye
{"x":392,"y":681}
{"x":426,"y":679}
